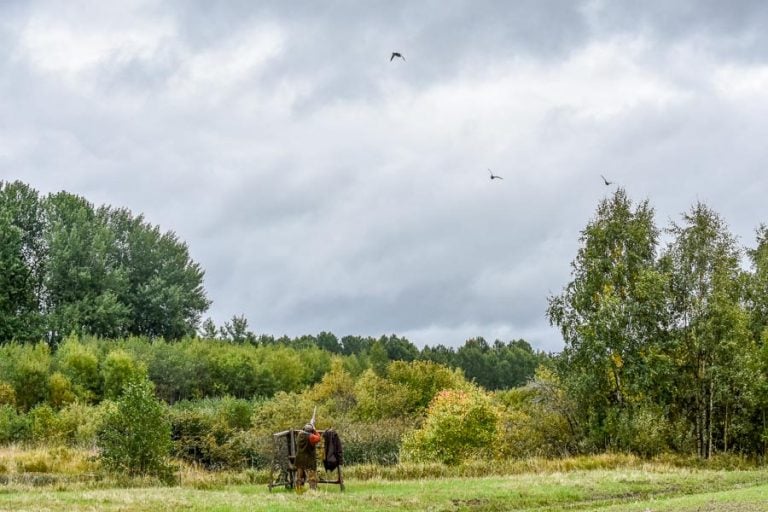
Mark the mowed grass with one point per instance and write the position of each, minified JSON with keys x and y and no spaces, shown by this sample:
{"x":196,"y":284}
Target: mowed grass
{"x":669,"y":489}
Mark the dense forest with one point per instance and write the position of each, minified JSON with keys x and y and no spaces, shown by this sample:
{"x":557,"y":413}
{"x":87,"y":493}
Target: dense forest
{"x":664,"y":349}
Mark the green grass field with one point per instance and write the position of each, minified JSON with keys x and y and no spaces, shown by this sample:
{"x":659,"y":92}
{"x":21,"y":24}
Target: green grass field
{"x":609,"y":490}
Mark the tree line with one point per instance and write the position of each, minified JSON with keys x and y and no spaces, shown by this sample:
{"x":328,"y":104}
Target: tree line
{"x":497,"y":365}
{"x":665,"y":343}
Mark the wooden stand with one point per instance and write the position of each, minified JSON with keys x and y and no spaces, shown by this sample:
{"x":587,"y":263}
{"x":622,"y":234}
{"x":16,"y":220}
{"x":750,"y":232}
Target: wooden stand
{"x":282,"y":471}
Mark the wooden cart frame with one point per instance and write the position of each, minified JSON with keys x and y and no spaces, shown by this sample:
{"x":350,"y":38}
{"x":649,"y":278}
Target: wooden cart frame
{"x":283,"y":468}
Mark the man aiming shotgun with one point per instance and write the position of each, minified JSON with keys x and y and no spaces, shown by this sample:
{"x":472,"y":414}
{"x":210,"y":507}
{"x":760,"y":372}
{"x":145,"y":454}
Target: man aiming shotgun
{"x":306,"y":455}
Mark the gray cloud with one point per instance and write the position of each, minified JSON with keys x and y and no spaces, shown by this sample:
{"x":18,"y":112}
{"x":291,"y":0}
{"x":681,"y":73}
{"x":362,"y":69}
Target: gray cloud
{"x":324,"y":188}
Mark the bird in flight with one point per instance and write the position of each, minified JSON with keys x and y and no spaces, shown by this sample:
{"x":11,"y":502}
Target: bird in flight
{"x":606,"y":181}
{"x":493,"y":176}
{"x":396,"y":54}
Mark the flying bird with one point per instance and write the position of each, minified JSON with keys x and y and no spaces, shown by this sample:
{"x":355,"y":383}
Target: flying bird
{"x":606,"y":181}
{"x":493,"y":176}
{"x":396,"y":54}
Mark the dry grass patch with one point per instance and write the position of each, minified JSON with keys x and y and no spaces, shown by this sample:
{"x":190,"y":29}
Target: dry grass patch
{"x":60,"y":460}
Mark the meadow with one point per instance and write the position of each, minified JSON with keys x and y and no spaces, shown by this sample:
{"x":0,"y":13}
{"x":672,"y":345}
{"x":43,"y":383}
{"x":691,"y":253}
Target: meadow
{"x":605,"y":483}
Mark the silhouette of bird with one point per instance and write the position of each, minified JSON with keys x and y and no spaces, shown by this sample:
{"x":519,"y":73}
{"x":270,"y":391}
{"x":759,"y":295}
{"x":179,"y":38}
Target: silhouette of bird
{"x":606,"y":181}
{"x":493,"y":176}
{"x":396,"y":54}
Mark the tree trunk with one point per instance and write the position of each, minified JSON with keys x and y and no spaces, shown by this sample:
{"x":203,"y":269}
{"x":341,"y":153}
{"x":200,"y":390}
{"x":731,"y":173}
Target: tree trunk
{"x":617,"y":380}
{"x":699,"y":444}
{"x":710,"y":420}
{"x":725,"y":430}
{"x":701,"y":412}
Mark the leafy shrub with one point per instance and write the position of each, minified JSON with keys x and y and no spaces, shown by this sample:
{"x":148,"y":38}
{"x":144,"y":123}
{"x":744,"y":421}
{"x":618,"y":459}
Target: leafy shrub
{"x":60,"y":390}
{"x":336,"y":390}
{"x":213,"y":433}
{"x":14,"y":426}
{"x":378,"y":397}
{"x":460,"y":425}
{"x":176,"y":375}
{"x":79,"y":423}
{"x":425,"y":379}
{"x":641,"y":429}
{"x":120,"y":368}
{"x":135,"y":435}
{"x":530,"y":426}
{"x":29,"y":373}
{"x":287,"y":367}
{"x":44,"y":424}
{"x":75,"y":424}
{"x":287,"y":410}
{"x":236,"y":371}
{"x":7,"y":394}
{"x":373,"y":443}
{"x":80,"y":364}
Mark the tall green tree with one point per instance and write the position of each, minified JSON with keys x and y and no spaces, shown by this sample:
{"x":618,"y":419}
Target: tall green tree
{"x":611,"y":313}
{"x":710,"y":326}
{"x":22,"y":259}
{"x":164,"y":295}
{"x":757,"y":305}
{"x":66,"y":267}
{"x":757,"y":286}
{"x":83,"y":284}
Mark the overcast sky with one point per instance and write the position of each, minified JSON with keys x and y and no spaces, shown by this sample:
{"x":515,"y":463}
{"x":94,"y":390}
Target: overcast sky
{"x":324,"y":188}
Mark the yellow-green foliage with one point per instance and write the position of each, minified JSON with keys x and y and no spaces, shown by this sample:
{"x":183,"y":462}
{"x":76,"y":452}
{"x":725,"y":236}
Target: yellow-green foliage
{"x":78,"y":423}
{"x":643,"y":429}
{"x":406,"y":389}
{"x":73,"y":425}
{"x":79,"y":362}
{"x":120,"y":368}
{"x":287,"y":410}
{"x":336,"y":390}
{"x":7,"y":394}
{"x":529,"y":427}
{"x":287,"y":365}
{"x":425,"y":379}
{"x":60,"y":391}
{"x":28,"y":367}
{"x":460,"y":425}
{"x":378,"y":397}
{"x":44,"y":423}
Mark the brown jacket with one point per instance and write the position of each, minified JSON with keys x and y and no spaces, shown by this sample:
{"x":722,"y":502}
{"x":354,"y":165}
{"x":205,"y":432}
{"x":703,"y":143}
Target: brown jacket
{"x":306,"y":452}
